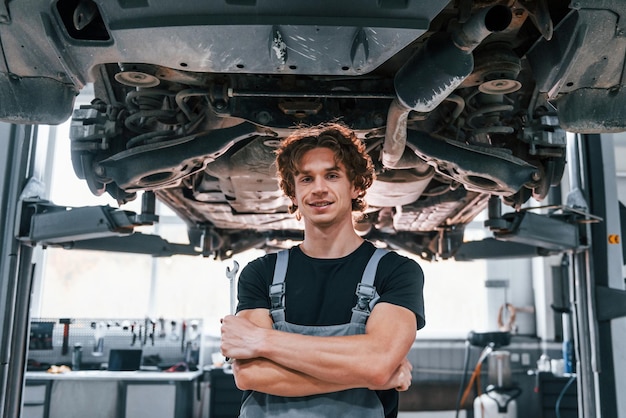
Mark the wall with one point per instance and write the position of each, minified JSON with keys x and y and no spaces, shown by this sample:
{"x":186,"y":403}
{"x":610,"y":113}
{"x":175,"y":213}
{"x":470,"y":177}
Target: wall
{"x":438,"y":370}
{"x":168,"y":348}
{"x":620,"y":167}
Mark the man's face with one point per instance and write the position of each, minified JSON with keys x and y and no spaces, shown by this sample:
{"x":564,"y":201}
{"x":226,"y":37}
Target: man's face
{"x":323,"y":189}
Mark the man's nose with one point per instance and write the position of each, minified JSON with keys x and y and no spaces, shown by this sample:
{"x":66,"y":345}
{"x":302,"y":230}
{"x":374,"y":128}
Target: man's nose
{"x":319,"y":184}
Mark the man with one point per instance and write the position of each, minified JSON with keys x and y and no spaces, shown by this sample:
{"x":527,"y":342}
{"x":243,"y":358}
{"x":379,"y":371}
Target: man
{"x":304,"y":342}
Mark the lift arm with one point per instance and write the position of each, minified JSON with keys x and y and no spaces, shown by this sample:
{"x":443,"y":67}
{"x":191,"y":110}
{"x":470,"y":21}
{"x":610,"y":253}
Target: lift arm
{"x":527,"y":234}
{"x":94,"y":228}
{"x":610,"y":303}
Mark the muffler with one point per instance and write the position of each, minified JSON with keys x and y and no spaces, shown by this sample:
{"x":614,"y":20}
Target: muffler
{"x":434,"y":72}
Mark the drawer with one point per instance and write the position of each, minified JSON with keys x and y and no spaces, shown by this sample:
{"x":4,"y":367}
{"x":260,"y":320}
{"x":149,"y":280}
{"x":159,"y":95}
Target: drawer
{"x":35,"y":394}
{"x":37,"y":411}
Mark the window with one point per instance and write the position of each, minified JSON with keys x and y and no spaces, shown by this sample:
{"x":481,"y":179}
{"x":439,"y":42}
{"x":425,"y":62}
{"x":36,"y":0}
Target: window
{"x":454,"y":298}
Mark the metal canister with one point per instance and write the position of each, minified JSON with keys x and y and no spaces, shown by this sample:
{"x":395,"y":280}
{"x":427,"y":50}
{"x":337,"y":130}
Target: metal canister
{"x":499,"y":363}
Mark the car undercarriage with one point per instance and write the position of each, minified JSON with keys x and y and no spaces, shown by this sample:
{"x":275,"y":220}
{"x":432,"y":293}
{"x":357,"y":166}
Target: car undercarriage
{"x":458,"y":102}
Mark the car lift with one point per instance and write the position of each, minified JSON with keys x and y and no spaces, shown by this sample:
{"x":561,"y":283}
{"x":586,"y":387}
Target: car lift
{"x":100,"y":228}
{"x":597,"y":291}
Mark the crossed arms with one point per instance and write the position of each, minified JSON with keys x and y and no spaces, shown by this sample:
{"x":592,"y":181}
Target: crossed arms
{"x":287,"y":364}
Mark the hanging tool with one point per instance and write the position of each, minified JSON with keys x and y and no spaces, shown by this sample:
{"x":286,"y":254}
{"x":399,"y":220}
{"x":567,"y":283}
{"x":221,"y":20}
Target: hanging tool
{"x":153,"y":330}
{"x":146,"y":323}
{"x":132,"y":329}
{"x":99,"y":333}
{"x":162,"y":333}
{"x":66,"y":334}
{"x":183,"y":335}
{"x":174,"y":331}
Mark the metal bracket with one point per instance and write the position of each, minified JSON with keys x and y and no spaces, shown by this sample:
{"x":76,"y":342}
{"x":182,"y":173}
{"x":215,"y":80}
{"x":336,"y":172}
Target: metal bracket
{"x":610,"y":303}
{"x":536,"y":230}
{"x":100,"y":228}
{"x":553,"y":232}
{"x":44,"y":222}
{"x":489,"y":248}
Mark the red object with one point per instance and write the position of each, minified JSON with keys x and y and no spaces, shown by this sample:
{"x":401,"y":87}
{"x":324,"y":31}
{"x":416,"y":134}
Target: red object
{"x":178,"y":367}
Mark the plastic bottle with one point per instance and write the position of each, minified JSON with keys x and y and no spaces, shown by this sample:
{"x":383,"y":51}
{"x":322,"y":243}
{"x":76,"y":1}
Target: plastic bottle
{"x":543,"y":364}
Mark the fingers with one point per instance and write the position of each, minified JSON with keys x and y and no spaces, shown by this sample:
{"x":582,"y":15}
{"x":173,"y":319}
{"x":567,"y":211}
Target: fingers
{"x":226,"y":318}
{"x":240,"y":338}
{"x":407,"y":363}
{"x":226,"y":343}
{"x":404,"y":376}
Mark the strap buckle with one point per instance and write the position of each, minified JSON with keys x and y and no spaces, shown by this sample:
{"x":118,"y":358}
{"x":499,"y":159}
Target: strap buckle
{"x":277,"y":295}
{"x":365,"y":293}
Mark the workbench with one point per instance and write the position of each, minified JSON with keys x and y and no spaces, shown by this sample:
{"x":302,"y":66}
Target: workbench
{"x":111,"y":394}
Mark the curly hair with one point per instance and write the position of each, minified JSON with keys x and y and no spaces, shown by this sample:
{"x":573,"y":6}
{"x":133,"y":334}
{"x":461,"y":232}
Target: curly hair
{"x":348,"y":149}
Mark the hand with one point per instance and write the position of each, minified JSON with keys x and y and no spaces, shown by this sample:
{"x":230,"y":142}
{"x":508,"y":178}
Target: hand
{"x":400,"y":379}
{"x":240,"y":338}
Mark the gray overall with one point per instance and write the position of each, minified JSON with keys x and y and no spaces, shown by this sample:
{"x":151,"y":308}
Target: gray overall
{"x":354,"y":403}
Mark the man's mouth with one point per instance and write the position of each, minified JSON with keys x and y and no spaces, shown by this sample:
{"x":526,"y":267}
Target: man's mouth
{"x":319,"y":204}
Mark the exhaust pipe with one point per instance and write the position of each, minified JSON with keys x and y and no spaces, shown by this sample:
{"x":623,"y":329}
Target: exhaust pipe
{"x":434,"y":72}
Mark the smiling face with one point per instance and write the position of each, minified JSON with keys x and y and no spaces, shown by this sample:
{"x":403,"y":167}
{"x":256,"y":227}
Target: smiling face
{"x":323,"y":190}
{"x":344,"y":144}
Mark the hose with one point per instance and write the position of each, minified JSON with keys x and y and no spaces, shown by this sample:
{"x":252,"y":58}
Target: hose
{"x":557,"y":405}
{"x":512,"y":315}
{"x":476,"y":374}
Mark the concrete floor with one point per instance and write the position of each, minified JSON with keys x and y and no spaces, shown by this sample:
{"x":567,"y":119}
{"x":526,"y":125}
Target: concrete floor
{"x":431,"y":414}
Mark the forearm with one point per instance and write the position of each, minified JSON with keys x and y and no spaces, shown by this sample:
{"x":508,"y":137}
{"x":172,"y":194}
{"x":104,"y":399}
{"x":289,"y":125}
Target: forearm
{"x":363,"y":360}
{"x":347,"y":360}
{"x":260,"y":374}
{"x":266,"y":376}
{"x":366,"y":360}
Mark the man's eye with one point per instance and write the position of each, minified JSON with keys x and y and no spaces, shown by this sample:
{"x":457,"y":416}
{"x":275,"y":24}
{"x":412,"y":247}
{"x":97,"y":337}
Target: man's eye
{"x":332,"y":175}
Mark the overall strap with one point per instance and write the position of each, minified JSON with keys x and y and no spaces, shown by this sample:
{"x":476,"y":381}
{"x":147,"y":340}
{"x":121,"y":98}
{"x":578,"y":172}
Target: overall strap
{"x":365,"y":290}
{"x":277,"y":289}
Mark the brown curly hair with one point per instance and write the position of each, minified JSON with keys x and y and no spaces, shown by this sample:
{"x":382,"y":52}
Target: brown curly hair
{"x":348,"y":149}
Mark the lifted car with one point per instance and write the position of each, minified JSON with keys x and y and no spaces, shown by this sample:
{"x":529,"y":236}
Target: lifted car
{"x":458,"y":102}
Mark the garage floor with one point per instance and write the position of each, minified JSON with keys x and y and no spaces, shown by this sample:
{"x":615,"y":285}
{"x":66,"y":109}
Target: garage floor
{"x":431,"y":414}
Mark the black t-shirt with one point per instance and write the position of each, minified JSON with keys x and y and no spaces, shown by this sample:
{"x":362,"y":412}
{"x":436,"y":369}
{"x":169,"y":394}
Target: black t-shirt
{"x":321,"y":292}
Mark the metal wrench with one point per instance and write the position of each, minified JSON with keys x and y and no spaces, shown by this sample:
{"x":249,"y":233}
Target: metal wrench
{"x":232,"y":274}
